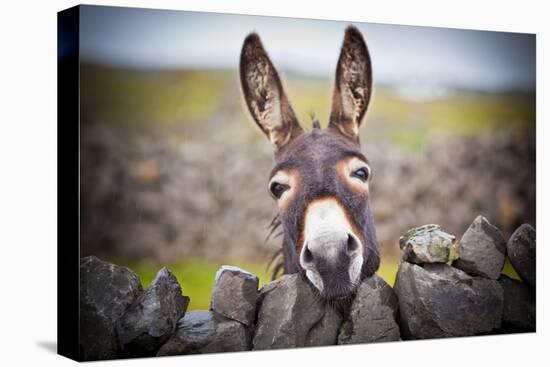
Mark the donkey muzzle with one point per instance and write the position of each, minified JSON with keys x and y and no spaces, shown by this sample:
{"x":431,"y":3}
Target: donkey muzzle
{"x":332,"y":265}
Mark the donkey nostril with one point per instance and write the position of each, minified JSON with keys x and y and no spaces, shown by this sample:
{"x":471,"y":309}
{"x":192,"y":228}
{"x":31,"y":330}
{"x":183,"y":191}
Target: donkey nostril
{"x":352,"y":243}
{"x":308,"y":256}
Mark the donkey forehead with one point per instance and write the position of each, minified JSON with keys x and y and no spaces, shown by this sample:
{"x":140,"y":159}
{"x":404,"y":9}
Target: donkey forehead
{"x":316,"y":151}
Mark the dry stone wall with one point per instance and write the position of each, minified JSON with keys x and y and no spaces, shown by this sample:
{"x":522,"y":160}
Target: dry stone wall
{"x":443,"y":288}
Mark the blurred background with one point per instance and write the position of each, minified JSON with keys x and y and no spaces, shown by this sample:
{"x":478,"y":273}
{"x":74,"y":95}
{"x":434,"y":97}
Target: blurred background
{"x":174,"y":171}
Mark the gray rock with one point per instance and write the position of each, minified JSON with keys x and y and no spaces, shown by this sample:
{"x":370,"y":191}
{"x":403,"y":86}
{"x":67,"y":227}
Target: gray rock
{"x":481,"y":250}
{"x":152,"y":318}
{"x":372,"y":315}
{"x":325,"y":331}
{"x":106,"y":291}
{"x":292,"y":315}
{"x":438,"y":301}
{"x":427,"y":244}
{"x":519,"y":312}
{"x":206,"y":332}
{"x":235,"y":294}
{"x":522,"y":253}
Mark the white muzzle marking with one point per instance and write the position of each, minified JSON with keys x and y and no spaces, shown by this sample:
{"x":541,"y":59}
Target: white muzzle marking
{"x":326,"y":227}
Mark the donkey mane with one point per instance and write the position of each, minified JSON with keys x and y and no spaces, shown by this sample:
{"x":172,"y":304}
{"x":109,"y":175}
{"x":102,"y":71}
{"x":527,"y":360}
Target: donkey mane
{"x":276,"y":263}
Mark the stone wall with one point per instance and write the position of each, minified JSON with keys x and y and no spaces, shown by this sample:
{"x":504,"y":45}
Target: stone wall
{"x":157,"y":195}
{"x":444,"y":288}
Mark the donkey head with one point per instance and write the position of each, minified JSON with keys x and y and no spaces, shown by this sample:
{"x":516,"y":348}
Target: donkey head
{"x":321,"y":179}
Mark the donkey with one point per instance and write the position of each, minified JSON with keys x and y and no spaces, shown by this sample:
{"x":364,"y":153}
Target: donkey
{"x":321,"y":179}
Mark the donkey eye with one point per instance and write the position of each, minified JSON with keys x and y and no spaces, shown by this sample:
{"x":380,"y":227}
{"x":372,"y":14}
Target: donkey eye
{"x":362,"y":174}
{"x":277,"y":189}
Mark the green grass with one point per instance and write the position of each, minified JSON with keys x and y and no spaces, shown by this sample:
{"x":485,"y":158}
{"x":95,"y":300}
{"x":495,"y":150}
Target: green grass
{"x":388,"y":270}
{"x":509,"y":270}
{"x":413,"y":125}
{"x":149,"y":98}
{"x":190,"y":99}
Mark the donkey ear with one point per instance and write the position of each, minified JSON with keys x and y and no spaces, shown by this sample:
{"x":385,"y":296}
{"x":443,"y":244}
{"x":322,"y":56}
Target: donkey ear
{"x":353,"y":85}
{"x":264,"y":94}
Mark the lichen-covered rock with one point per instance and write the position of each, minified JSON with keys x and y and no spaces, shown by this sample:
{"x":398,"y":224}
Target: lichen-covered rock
{"x":235,"y":294}
{"x":292,"y":315}
{"x":438,"y":301}
{"x":152,"y":318}
{"x":519,"y":312}
{"x":522,"y":253}
{"x":427,"y":244}
{"x":481,"y":250}
{"x":106,"y":291}
{"x":206,"y":332}
{"x":372,"y":315}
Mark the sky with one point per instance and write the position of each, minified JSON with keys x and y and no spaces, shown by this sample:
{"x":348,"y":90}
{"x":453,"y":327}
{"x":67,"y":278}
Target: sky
{"x":402,"y":56}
